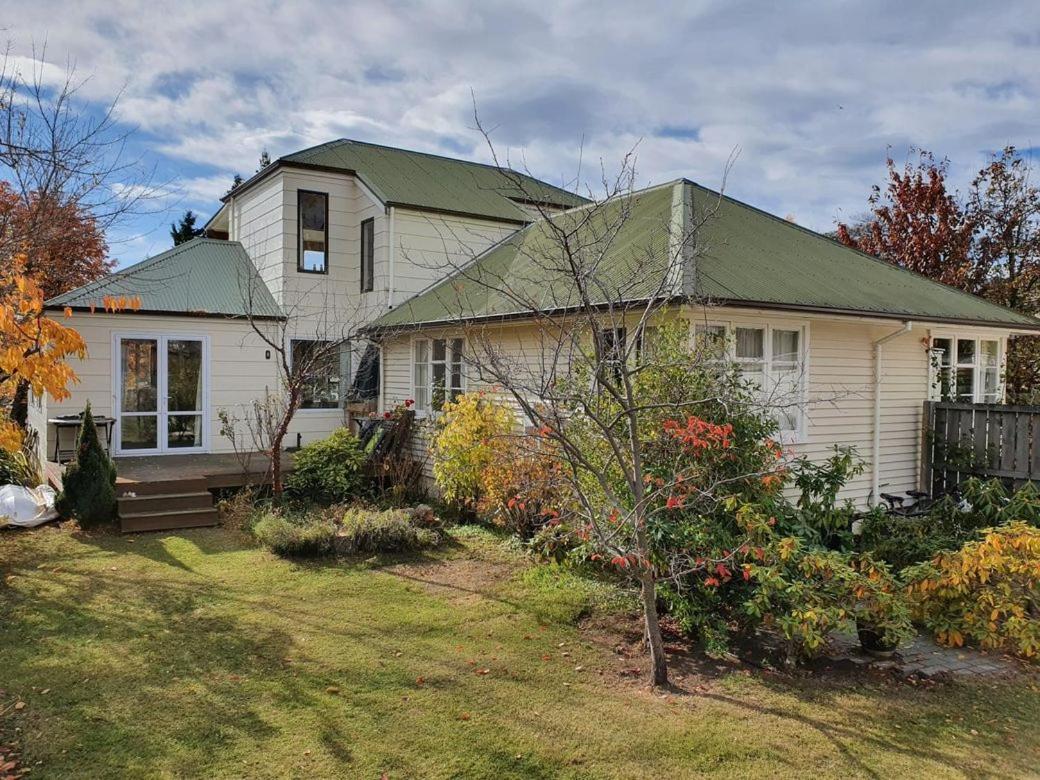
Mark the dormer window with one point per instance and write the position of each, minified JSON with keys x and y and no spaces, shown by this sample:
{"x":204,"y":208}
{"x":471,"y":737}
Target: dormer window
{"x":313,"y":225}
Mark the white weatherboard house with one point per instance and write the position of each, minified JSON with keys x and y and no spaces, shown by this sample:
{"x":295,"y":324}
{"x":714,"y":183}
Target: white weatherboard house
{"x":351,"y":234}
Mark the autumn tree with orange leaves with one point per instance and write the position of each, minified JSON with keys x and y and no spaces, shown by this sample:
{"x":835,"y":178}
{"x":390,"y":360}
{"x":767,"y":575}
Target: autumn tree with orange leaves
{"x":34,"y":348}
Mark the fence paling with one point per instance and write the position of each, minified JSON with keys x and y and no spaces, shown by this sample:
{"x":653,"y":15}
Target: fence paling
{"x":982,"y":440}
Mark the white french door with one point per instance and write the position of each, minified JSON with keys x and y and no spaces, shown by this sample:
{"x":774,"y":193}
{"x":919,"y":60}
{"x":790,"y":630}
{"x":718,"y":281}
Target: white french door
{"x":161,"y":392}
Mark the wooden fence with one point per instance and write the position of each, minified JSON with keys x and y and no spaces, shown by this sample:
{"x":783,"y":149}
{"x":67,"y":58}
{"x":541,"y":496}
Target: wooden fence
{"x":979,"y":440}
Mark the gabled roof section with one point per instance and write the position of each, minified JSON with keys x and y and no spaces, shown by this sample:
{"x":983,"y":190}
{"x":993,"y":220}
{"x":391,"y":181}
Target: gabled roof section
{"x":627,"y":249}
{"x":400,"y":177}
{"x":739,"y":255}
{"x":201,"y":277}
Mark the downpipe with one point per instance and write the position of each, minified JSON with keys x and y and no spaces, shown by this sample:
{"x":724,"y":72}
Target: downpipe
{"x":875,"y":488}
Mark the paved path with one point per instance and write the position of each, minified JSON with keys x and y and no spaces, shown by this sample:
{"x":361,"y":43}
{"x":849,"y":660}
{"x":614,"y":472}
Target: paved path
{"x":924,"y":657}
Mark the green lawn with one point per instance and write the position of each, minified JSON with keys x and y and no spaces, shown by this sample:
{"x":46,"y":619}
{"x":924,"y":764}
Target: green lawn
{"x":196,"y":654}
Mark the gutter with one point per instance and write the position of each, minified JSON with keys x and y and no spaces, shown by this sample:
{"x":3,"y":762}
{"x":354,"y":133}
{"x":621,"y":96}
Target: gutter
{"x":875,"y":487}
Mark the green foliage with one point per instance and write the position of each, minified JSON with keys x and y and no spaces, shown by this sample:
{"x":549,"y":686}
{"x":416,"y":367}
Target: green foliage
{"x":309,"y":536}
{"x":89,"y":482}
{"x":806,"y":592}
{"x":463,"y":445}
{"x":987,"y":592}
{"x":327,"y":471}
{"x":19,"y":468}
{"x":346,"y":531}
{"x":390,"y":531}
{"x":903,"y":541}
{"x":818,"y":516}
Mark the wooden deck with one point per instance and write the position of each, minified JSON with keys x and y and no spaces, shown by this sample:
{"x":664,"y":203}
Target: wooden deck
{"x":166,"y":492}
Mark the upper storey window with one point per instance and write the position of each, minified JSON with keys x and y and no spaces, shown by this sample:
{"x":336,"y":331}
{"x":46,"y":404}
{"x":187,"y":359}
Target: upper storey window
{"x":313,"y":224}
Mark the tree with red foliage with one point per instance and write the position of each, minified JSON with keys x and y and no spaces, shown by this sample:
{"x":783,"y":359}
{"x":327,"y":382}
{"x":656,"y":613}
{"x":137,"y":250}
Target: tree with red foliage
{"x":63,"y":244}
{"x":917,"y":224}
{"x":987,"y":244}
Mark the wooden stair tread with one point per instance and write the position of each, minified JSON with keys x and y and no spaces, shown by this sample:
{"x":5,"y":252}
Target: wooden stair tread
{"x":169,"y":512}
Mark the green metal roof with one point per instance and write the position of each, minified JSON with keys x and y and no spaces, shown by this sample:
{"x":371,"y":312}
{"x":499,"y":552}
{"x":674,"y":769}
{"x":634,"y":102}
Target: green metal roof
{"x":201,"y":277}
{"x":741,"y":255}
{"x":426,"y":181}
{"x":520,"y":274}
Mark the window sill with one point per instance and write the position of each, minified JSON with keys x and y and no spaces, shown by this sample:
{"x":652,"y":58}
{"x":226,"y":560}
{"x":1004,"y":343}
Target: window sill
{"x":319,"y":409}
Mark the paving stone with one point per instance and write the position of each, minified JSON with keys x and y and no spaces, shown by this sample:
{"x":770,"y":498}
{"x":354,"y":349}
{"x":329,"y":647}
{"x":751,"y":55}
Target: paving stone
{"x":922,"y":656}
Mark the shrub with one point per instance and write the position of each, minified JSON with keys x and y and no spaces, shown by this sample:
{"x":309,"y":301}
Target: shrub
{"x":521,"y":487}
{"x":89,"y":483}
{"x":393,"y":530}
{"x":295,"y":537}
{"x":903,"y":541}
{"x":463,"y":443}
{"x":987,"y":592}
{"x":807,"y":592}
{"x":327,"y":471}
{"x":238,"y":510}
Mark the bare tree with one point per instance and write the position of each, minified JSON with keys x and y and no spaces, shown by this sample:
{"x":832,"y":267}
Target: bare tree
{"x":571,"y":344}
{"x":66,"y":179}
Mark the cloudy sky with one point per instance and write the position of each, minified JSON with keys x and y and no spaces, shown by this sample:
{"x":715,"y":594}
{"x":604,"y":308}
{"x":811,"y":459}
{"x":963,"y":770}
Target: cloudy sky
{"x":811,"y":95}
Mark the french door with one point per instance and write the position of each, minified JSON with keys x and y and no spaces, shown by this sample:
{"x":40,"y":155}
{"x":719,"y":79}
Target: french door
{"x":161,"y":394}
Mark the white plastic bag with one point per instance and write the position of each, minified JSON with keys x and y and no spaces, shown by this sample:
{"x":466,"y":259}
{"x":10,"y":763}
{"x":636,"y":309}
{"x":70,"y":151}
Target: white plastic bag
{"x":26,"y":507}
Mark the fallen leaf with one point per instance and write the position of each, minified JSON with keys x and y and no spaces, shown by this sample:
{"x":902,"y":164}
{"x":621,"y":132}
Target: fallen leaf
{"x":483,"y":671}
{"x":333,"y":689}
{"x":420,"y":681}
{"x":464,"y":716}
{"x":19,"y":705}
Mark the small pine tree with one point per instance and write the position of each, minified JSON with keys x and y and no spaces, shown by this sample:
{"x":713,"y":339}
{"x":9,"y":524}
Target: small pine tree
{"x":236,"y":181}
{"x":185,"y":230}
{"x":265,"y":160}
{"x":89,"y":483}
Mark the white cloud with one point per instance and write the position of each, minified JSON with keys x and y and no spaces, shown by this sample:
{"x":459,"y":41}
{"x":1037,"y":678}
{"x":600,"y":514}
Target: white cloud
{"x":812,"y":94}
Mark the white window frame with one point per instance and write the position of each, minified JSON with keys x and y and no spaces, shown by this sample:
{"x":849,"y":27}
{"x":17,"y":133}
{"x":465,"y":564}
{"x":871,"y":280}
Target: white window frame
{"x":978,"y":378}
{"x":162,"y":412}
{"x":308,"y":410}
{"x":424,"y":400}
{"x":800,"y":434}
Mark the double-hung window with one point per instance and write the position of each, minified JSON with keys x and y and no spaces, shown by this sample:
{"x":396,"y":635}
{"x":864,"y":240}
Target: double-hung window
{"x":436,"y":372}
{"x":368,"y":255}
{"x":312,"y":223}
{"x":965,"y":369}
{"x":769,"y":358}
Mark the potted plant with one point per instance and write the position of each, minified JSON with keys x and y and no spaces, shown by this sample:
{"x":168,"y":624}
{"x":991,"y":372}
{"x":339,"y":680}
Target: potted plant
{"x":881,"y":611}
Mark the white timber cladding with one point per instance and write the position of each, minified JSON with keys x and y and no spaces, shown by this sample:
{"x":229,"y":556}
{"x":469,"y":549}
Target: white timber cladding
{"x":427,"y":247}
{"x":839,"y":383}
{"x":239,"y":371}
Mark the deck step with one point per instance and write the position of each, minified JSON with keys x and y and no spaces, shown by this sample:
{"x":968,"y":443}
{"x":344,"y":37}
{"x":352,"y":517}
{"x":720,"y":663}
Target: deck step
{"x":165,"y":502}
{"x":168,"y":520}
{"x":165,"y":487}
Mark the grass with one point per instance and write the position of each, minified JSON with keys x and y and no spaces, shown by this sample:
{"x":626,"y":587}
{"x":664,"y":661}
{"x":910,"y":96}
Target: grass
{"x":197,"y":654}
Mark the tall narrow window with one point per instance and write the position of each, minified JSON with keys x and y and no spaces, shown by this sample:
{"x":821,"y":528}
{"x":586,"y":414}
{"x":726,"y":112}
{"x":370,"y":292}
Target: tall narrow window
{"x":368,"y":255}
{"x":313,"y":229}
{"x":786,"y":375}
{"x":437,"y":372}
{"x":991,"y":389}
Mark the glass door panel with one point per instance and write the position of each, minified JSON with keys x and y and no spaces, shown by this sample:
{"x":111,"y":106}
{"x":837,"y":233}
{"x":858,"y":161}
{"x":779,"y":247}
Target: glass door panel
{"x":139,"y":394}
{"x":184,"y":394}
